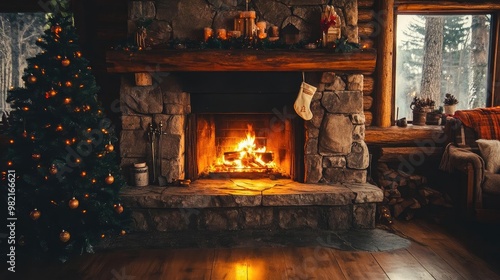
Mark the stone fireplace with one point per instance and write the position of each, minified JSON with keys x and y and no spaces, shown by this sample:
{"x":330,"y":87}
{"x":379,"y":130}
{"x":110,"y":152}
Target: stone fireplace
{"x":330,"y":146}
{"x":320,"y":179}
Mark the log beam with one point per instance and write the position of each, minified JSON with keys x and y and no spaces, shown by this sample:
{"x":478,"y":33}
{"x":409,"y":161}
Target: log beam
{"x":362,"y":61}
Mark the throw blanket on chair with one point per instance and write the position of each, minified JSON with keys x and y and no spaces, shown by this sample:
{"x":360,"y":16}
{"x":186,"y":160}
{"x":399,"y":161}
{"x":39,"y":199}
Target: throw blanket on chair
{"x":484,"y":121}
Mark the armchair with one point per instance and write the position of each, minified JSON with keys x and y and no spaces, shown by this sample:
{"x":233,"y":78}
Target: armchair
{"x":477,"y":180}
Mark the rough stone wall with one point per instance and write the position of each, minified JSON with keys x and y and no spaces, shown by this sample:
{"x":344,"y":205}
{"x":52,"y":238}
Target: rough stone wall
{"x":335,"y":150}
{"x":185,"y":19}
{"x":142,"y":106}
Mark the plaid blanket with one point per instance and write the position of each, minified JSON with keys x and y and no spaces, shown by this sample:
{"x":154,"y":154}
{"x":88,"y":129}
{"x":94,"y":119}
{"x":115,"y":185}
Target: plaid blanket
{"x":484,"y":121}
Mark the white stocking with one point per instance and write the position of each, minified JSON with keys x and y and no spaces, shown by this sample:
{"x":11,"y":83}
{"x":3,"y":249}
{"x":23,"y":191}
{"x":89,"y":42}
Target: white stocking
{"x":303,"y":103}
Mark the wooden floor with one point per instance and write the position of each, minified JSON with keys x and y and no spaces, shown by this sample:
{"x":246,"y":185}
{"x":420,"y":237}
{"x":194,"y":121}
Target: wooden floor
{"x":435,"y":253}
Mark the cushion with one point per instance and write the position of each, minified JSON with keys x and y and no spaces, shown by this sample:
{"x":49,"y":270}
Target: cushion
{"x":491,"y":183}
{"x":490,"y":152}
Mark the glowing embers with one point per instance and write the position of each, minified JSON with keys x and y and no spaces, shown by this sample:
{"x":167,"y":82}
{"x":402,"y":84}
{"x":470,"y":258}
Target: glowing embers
{"x":246,"y":157}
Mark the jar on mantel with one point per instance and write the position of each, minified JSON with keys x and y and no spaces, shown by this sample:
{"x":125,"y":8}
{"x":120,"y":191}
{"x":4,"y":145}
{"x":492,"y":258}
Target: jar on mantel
{"x":140,"y":174}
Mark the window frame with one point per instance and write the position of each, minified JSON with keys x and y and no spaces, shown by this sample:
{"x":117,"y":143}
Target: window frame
{"x":491,"y":59}
{"x":385,"y":90}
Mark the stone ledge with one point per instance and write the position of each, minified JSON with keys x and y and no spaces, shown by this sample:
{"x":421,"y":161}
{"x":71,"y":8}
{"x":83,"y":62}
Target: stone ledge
{"x":249,"y":193}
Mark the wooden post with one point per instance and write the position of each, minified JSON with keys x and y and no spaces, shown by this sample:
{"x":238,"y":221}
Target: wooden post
{"x":383,"y":94}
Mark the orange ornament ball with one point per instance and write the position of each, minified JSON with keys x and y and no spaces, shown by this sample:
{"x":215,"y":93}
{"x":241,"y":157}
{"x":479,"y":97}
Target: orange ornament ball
{"x":35,"y":156}
{"x":56,"y":29}
{"x":32,"y":79}
{"x":110,"y":179}
{"x":119,"y":209}
{"x":110,"y":147}
{"x":78,"y":54}
{"x":68,"y":84}
{"x":53,"y":169}
{"x":35,"y":214}
{"x":65,"y":62}
{"x":73,"y":203}
{"x":123,"y":232}
{"x":64,"y":236}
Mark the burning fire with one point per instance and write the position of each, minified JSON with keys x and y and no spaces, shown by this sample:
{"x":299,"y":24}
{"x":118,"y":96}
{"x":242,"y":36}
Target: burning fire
{"x":246,"y":157}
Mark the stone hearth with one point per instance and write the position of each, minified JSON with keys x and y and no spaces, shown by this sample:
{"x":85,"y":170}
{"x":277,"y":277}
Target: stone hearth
{"x":253,"y":204}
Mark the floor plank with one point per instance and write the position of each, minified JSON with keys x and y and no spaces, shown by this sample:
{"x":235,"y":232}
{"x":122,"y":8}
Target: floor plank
{"x":312,"y":263}
{"x":359,"y":265}
{"x":433,"y":263}
{"x":266,"y":263}
{"x":400,"y":264}
{"x":230,"y":264}
{"x":188,"y":264}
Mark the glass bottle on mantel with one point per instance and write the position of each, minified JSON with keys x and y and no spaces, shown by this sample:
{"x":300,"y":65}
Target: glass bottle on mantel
{"x":330,"y":25}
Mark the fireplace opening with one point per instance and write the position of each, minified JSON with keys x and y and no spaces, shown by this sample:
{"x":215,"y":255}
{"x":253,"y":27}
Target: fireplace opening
{"x":244,"y":146}
{"x":243,"y":125}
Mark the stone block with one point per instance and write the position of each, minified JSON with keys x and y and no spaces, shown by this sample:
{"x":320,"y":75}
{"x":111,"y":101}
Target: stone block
{"x":172,"y":124}
{"x":351,"y":32}
{"x":173,"y":169}
{"x":338,"y":84}
{"x":355,"y":82}
{"x":335,"y":136}
{"x":343,"y":102}
{"x":313,"y":168}
{"x":223,"y":4}
{"x":365,"y":192}
{"x":296,"y":194}
{"x":318,"y":113}
{"x":363,"y":216}
{"x":134,"y":143}
{"x":351,"y":13}
{"x":224,"y":18}
{"x":328,"y":77}
{"x":275,"y":10}
{"x":138,"y":220}
{"x":219,"y":219}
{"x":181,"y":15}
{"x":169,"y":219}
{"x":158,"y":34}
{"x":358,"y":134}
{"x":311,"y":146}
{"x":335,"y":161}
{"x":358,"y":119}
{"x":359,"y":156}
{"x":344,"y":175}
{"x":311,"y":132}
{"x":140,"y":100}
{"x":172,"y":146}
{"x":257,"y":217}
{"x":135,"y":122}
{"x":141,"y":10}
{"x":298,"y":218}
{"x":340,"y":217}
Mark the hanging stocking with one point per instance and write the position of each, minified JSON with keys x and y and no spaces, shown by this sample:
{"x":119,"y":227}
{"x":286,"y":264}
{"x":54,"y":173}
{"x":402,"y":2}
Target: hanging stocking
{"x":303,"y":103}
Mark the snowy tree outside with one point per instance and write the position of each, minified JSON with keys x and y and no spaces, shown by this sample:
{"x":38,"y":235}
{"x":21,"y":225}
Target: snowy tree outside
{"x":18,"y":34}
{"x":463,"y":65}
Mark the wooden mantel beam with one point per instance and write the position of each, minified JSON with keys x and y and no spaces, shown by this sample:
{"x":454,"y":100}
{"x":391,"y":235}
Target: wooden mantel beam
{"x":362,"y":61}
{"x":443,"y":6}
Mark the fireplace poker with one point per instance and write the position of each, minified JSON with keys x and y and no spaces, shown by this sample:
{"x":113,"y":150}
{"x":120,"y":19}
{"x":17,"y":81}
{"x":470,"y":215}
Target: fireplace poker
{"x":161,"y":179}
{"x":152,"y":138}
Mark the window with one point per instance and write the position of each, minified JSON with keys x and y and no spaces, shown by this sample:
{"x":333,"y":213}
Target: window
{"x":18,"y":34}
{"x":439,"y":54}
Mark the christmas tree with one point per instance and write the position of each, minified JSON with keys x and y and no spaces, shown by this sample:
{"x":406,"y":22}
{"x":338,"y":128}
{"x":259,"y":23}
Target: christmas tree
{"x":67,"y":179}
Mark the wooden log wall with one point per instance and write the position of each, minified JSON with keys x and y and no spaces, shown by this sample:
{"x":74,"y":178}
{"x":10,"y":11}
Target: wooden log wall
{"x":367,"y":33}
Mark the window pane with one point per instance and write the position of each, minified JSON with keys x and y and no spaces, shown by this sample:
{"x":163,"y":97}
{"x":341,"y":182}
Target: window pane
{"x":18,"y":34}
{"x":453,"y":50}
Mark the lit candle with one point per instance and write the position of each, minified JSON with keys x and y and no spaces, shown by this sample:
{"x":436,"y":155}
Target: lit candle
{"x":261,"y":26}
{"x":207,"y":32}
{"x":221,"y":34}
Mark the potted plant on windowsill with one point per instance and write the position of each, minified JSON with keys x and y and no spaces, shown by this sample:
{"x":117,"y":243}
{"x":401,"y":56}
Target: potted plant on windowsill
{"x":450,"y":104}
{"x":420,"y":107}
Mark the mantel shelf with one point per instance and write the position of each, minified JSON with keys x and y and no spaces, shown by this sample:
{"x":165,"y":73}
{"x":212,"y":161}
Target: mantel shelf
{"x":362,"y":61}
